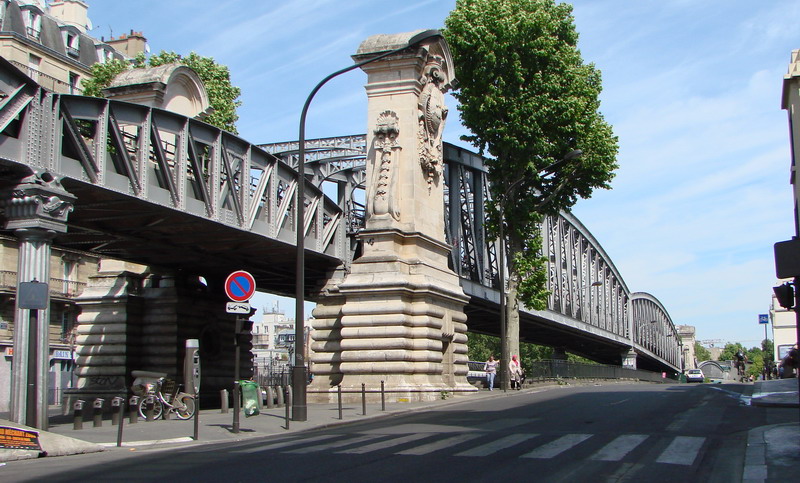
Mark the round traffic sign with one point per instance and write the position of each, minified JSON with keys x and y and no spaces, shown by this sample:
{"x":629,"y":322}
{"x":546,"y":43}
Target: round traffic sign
{"x":240,"y":286}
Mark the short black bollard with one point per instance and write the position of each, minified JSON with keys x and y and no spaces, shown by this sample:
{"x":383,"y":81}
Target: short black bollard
{"x":288,"y":400}
{"x":339,"y":397}
{"x":120,"y":418}
{"x":116,"y":413}
{"x":363,"y":399}
{"x":133,"y":410}
{"x":270,"y":397}
{"x":148,"y":408}
{"x":223,"y":401}
{"x":383,"y":397}
{"x":77,"y":421}
{"x":279,"y":392}
{"x":98,"y":412}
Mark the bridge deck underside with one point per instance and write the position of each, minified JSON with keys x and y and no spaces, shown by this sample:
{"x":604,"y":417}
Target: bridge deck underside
{"x":482,"y":317}
{"x":131,"y":229}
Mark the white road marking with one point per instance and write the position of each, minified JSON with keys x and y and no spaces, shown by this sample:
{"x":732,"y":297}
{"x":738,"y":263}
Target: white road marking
{"x":495,"y":446}
{"x":441,"y":444}
{"x":554,"y":448}
{"x":287,"y":443}
{"x":617,"y":449}
{"x":385,"y":444}
{"x":334,"y":444}
{"x":682,"y":451}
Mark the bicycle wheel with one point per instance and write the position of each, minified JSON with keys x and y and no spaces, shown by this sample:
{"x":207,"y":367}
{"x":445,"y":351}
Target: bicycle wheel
{"x":184,"y":406}
{"x":158,"y":409}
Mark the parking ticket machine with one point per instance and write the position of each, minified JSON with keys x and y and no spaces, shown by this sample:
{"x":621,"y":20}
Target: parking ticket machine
{"x":191,"y":366}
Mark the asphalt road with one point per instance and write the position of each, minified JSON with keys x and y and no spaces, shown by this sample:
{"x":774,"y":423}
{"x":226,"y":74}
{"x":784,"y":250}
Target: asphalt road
{"x":608,"y":433}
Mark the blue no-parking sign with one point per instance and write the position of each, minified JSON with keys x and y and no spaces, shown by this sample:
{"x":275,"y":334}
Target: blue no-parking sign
{"x":240,"y":286}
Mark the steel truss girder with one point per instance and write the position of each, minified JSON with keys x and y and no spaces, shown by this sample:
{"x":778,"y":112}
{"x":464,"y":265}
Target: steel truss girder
{"x":166,"y":159}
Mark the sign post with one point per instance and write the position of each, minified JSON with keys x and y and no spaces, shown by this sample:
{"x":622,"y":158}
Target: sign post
{"x":764,"y":319}
{"x":239,"y":287}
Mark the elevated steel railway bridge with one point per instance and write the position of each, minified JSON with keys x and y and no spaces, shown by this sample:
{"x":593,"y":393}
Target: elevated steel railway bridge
{"x":160,"y":189}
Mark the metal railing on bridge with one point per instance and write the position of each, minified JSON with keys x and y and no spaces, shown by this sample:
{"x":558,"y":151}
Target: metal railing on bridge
{"x":559,"y":369}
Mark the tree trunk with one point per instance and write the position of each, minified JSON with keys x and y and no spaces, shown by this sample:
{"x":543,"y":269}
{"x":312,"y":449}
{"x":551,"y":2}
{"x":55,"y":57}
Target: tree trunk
{"x":512,"y":299}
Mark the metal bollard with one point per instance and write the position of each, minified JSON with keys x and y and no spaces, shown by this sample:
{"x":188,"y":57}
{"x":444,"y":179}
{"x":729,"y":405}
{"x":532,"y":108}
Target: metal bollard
{"x":279,"y":393}
{"x":133,"y":410}
{"x":383,"y":397}
{"x":98,"y":412}
{"x":363,"y":399}
{"x":339,"y":397}
{"x":270,"y":397}
{"x":148,"y":411}
{"x":120,"y":417}
{"x":223,"y":400}
{"x":77,"y":422}
{"x":288,"y":400}
{"x":116,"y":413}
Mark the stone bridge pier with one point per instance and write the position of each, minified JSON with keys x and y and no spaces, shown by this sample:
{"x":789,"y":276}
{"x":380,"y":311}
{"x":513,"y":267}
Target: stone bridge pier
{"x":397,"y":316}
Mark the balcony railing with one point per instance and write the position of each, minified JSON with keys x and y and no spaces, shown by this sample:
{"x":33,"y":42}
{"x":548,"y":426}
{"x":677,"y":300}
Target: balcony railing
{"x":59,"y":287}
{"x":47,"y":81}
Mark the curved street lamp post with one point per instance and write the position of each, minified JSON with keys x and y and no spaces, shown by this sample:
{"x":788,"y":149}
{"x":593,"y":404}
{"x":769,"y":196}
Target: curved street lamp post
{"x":299,"y":377}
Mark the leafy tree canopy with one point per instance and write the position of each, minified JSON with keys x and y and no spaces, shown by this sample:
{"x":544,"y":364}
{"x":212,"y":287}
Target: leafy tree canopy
{"x":216,"y":78}
{"x":529,"y":100}
{"x":701,"y":353}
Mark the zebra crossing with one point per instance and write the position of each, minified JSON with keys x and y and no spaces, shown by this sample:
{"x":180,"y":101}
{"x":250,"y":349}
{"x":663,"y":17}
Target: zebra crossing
{"x":672,"y":450}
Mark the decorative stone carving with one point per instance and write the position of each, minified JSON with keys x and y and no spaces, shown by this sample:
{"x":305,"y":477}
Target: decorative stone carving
{"x":432,"y":116}
{"x":384,"y":185}
{"x":39,"y":201}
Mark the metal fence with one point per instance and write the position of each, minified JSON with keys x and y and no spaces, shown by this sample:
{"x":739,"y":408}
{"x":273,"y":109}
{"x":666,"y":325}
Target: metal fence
{"x":547,"y":370}
{"x":559,"y":369}
{"x":271,"y":372}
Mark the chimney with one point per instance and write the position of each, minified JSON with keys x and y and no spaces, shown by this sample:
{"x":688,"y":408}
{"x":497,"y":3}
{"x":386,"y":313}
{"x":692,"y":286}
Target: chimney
{"x":71,"y":12}
{"x":129,"y":44}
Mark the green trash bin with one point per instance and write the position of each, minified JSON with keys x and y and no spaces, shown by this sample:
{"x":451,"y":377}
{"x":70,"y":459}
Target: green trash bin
{"x":251,"y":394}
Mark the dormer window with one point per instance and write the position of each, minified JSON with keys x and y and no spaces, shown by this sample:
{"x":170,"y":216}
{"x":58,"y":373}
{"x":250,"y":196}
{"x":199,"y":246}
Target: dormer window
{"x":33,"y":23}
{"x":71,"y":42}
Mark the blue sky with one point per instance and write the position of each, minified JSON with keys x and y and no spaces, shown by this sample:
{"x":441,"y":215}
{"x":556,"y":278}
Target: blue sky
{"x":692,"y":89}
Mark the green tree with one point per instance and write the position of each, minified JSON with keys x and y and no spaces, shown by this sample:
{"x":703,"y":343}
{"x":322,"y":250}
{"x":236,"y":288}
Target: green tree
{"x":768,"y":348}
{"x":529,"y":100}
{"x":102,"y":75}
{"x":222,"y":95}
{"x":730,"y":350}
{"x":701,"y":353}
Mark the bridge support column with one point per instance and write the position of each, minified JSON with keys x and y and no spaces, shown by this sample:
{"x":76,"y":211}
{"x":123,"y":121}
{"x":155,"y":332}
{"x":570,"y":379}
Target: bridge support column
{"x":398,"y":315}
{"x":559,"y":354}
{"x":37,"y":210}
{"x":629,"y":359}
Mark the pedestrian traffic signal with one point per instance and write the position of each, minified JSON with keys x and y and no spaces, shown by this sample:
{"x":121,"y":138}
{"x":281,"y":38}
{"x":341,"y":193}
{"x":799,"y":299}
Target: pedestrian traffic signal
{"x":785,"y":295}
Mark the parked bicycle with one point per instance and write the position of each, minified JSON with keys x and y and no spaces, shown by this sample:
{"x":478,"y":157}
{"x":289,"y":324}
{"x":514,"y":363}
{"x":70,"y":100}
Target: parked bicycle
{"x":165,"y":392}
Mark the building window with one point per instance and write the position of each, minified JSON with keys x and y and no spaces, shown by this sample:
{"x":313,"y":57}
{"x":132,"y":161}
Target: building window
{"x":71,"y":42}
{"x":73,"y":83}
{"x":34,"y":64}
{"x":33,"y":24}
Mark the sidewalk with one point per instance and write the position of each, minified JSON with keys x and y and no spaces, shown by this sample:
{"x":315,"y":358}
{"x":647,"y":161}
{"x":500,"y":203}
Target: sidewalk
{"x":775,"y":393}
{"x":214,"y":426}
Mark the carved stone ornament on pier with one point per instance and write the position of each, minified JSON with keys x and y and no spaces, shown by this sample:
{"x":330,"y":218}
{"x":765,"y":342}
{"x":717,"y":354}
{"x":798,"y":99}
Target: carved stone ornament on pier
{"x":38,"y":201}
{"x":384,"y":186}
{"x":432,"y":116}
{"x":397,"y":318}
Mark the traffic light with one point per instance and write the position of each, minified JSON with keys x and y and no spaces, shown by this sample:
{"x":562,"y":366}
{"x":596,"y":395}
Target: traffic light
{"x":785,"y":295}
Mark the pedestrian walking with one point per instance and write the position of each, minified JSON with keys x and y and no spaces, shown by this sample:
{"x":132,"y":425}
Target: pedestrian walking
{"x":515,"y":373}
{"x":491,"y":371}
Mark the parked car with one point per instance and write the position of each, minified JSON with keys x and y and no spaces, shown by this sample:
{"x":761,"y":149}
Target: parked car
{"x":477,"y":374}
{"x":695,"y":375}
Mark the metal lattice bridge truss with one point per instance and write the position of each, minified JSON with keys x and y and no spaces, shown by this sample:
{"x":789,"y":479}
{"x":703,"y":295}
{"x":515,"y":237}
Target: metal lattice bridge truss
{"x":161,"y":189}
